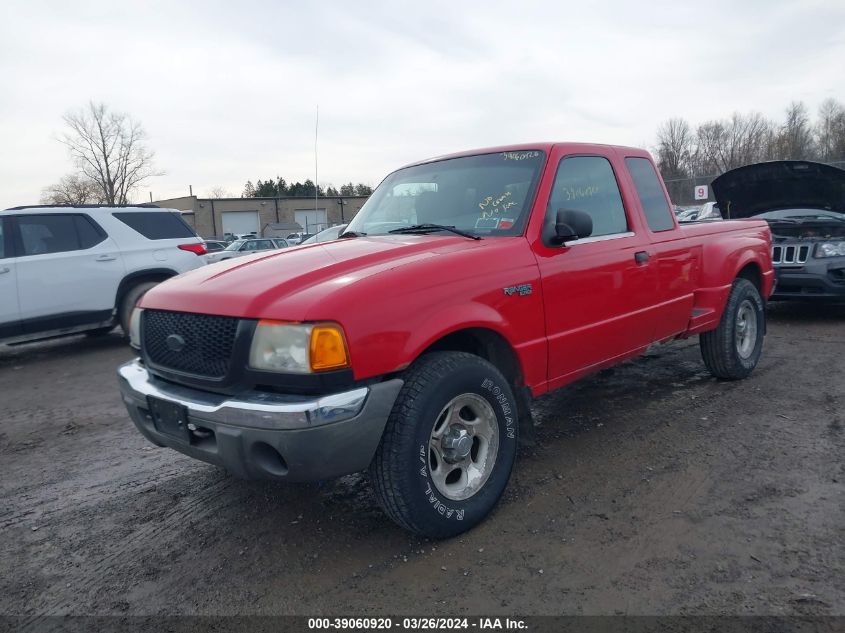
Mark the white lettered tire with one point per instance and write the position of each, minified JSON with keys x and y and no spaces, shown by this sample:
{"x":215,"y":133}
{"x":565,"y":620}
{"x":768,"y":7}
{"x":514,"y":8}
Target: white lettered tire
{"x":449,"y":445}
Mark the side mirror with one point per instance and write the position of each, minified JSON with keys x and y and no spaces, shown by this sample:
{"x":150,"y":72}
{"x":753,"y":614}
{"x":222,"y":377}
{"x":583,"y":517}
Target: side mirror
{"x":572,"y":224}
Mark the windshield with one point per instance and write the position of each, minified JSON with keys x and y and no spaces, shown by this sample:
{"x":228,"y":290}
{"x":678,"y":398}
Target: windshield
{"x":235,"y":245}
{"x":486,"y":195}
{"x":801,"y":214}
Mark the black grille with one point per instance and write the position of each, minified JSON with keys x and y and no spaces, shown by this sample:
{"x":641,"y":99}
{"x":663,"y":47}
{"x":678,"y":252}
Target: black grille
{"x":208,"y":342}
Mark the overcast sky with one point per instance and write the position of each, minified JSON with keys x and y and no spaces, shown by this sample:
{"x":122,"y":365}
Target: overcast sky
{"x":227,"y":90}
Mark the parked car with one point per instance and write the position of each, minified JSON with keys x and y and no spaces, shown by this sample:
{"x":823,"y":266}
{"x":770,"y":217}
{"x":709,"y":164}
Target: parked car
{"x":331,"y":233}
{"x":466,"y":286}
{"x":65,"y":270}
{"x":706,"y":212}
{"x":297,"y":238}
{"x":215,"y":246}
{"x":239,"y":248}
{"x":804,"y":204}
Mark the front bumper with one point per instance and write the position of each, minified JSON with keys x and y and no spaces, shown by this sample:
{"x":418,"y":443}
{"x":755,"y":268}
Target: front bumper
{"x":817,"y":279}
{"x":266,"y":435}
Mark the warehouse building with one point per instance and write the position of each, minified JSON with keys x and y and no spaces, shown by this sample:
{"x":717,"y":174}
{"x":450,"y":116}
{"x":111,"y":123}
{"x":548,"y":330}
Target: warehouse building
{"x":215,"y":217}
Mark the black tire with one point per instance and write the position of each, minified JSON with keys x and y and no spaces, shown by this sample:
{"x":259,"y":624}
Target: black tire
{"x":127,"y":304}
{"x":402,"y":471}
{"x":721,"y":349}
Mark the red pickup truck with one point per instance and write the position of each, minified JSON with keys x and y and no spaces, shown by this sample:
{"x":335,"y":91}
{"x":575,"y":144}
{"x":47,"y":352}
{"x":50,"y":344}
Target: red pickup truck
{"x":413,"y":345}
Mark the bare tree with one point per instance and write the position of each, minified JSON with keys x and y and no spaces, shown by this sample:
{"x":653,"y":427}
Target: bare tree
{"x":830,"y":130}
{"x":109,"y":149}
{"x":674,"y":148}
{"x":219,"y":192}
{"x":740,"y":140}
{"x":795,"y":137}
{"x":72,"y":189}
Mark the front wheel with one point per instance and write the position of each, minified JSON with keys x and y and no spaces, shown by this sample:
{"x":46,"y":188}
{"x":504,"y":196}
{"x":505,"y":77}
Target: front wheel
{"x":732,"y":350}
{"x":448,"y":447}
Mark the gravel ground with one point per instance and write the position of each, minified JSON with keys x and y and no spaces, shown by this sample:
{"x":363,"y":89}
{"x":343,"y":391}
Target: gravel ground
{"x":653,"y":489}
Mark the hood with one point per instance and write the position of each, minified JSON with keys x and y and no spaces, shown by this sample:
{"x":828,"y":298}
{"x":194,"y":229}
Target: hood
{"x":782,"y":184}
{"x":299,"y":277}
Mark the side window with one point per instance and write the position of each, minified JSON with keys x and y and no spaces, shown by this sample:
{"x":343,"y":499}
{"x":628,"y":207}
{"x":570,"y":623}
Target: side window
{"x":44,"y":234}
{"x":265,"y":245}
{"x":656,"y":207}
{"x":2,"y":239}
{"x":587,"y":183}
{"x":90,"y":233}
{"x":156,"y":225}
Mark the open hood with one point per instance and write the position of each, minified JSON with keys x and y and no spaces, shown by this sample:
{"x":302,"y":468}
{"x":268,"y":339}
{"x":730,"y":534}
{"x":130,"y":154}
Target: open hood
{"x":781,"y":184}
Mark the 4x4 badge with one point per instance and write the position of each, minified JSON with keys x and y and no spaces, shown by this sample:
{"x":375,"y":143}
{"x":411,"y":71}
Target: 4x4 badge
{"x":521,"y":290}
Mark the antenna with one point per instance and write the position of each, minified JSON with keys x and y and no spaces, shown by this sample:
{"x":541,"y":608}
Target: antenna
{"x":316,"y":186}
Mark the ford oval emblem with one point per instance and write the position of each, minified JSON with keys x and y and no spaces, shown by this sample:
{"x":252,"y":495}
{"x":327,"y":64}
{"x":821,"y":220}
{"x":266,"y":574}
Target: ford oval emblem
{"x":175,"y":343}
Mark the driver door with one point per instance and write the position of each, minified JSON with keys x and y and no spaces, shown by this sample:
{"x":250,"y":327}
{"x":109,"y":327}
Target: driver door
{"x":598,"y":291}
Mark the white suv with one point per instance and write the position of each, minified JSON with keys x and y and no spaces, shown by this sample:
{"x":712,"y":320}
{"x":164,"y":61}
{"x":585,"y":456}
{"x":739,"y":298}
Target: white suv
{"x":65,"y":270}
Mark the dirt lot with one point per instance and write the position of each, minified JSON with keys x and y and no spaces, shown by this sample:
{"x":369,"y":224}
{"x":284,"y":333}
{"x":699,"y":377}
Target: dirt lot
{"x":653,"y":489}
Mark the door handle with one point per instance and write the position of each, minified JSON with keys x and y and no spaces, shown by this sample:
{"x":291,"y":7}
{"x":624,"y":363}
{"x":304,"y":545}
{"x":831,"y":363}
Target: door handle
{"x":641,"y":257}
{"x":105,"y":258}
{"x":5,"y":269}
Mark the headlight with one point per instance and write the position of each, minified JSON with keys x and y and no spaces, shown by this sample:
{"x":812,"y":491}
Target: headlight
{"x":830,"y":249}
{"x":135,"y":328}
{"x":298,"y":348}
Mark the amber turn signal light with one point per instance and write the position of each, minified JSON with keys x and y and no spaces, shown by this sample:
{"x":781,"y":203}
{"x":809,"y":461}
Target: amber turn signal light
{"x":328,"y":348}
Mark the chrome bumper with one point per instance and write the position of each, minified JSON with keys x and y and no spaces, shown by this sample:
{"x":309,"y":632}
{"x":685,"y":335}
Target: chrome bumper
{"x":310,"y":437}
{"x":260,"y":410}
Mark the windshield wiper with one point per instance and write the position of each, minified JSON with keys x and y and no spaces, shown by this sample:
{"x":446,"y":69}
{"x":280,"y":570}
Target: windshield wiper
{"x":428,"y":228}
{"x":347,"y":234}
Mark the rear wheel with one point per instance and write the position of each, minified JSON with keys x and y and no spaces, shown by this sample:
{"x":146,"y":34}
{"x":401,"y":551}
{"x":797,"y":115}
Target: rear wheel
{"x":732,"y":350}
{"x":449,"y":445}
{"x":130,"y":299}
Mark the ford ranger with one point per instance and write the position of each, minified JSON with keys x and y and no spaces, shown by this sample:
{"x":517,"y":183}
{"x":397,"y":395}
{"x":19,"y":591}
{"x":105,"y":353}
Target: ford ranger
{"x":412,"y":346}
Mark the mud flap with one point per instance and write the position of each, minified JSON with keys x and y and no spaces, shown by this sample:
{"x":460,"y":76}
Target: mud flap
{"x":527,"y":435}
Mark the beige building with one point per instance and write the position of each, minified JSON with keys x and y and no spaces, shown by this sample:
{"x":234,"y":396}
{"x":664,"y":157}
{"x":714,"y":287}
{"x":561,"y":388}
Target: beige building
{"x":218,"y":216}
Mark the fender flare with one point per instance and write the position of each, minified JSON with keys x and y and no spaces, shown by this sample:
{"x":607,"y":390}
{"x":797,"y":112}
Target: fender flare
{"x":448,"y":320}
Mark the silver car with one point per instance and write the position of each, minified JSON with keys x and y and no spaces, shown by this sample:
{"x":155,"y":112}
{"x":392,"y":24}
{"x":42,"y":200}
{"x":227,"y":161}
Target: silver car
{"x":328,"y":235}
{"x":239,"y":248}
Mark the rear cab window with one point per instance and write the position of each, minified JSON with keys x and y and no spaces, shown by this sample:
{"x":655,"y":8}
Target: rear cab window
{"x":658,"y":214}
{"x":156,"y":225}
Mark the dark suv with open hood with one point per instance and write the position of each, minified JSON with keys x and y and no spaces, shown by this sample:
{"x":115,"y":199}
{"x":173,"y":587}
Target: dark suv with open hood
{"x":804,"y":204}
